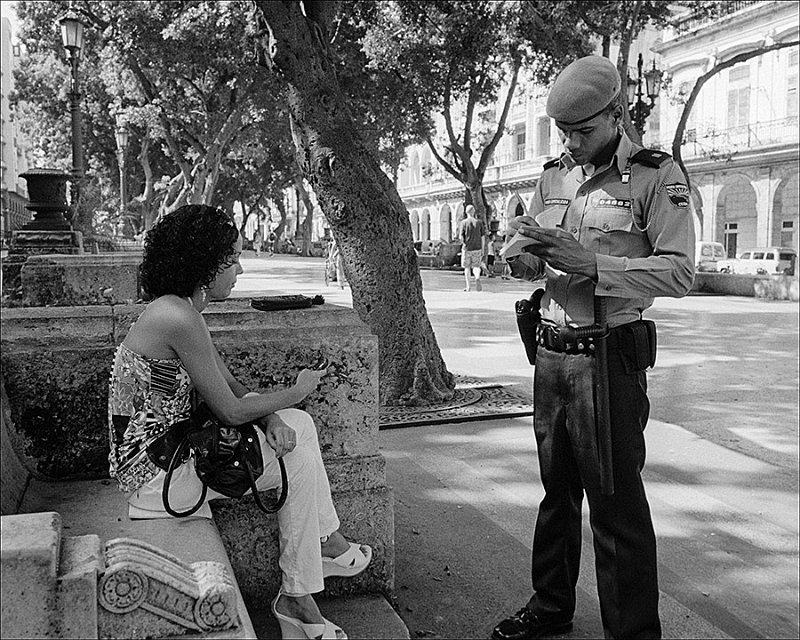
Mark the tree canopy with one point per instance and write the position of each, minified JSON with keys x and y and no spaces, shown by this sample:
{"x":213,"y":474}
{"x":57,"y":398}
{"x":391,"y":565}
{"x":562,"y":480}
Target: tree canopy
{"x":459,"y":59}
{"x":183,"y":76}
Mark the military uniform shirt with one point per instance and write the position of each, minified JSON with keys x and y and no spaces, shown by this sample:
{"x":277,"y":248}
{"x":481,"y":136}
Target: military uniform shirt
{"x":635,"y":214}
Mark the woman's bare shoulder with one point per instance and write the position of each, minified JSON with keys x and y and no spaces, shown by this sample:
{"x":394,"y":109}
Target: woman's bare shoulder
{"x":168,"y":309}
{"x":164,"y":320}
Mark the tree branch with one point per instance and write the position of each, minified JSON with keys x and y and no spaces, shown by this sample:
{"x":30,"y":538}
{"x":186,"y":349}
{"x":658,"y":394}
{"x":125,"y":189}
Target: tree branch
{"x":448,"y":167}
{"x":488,"y":151}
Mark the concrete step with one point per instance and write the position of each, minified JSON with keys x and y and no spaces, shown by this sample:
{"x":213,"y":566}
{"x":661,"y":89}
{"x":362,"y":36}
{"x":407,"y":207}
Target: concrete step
{"x":365,"y":616}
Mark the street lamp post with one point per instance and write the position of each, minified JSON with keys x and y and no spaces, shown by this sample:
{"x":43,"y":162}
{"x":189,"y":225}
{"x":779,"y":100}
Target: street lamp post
{"x":72,"y":39}
{"x":639,"y":109}
{"x":122,"y":133}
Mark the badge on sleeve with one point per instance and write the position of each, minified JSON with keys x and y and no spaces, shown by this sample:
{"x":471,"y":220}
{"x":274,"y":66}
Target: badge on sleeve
{"x":678,"y":195}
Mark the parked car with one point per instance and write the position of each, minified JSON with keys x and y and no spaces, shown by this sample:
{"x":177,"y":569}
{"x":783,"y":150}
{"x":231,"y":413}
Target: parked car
{"x":766,"y":260}
{"x":707,"y":255}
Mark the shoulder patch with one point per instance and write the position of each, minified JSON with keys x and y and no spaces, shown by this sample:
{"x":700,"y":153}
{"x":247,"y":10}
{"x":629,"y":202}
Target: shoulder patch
{"x":678,"y":195}
{"x":651,"y":157}
{"x":550,"y":164}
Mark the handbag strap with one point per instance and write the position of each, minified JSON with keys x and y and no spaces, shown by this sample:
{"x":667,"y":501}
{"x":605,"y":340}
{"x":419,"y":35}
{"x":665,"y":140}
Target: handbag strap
{"x":174,"y":463}
{"x":284,"y":489}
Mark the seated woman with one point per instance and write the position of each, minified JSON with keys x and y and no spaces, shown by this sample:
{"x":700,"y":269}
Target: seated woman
{"x":191,"y":257}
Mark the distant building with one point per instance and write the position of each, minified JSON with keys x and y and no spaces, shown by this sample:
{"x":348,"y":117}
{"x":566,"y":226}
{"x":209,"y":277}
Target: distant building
{"x":13,"y":159}
{"x":741,"y":141}
{"x":741,"y":149}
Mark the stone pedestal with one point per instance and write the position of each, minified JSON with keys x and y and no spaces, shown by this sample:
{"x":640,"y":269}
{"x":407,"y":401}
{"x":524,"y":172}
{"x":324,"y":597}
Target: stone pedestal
{"x":49,"y":231}
{"x":37,"y":242}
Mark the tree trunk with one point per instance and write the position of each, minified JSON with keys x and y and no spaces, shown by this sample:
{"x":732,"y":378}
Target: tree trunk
{"x":149,"y":205}
{"x":622,"y":66}
{"x":281,"y":206}
{"x":367,"y":216}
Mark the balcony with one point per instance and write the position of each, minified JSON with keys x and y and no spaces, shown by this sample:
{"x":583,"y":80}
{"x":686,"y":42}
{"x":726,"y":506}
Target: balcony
{"x":723,"y":144}
{"x":511,"y":165}
{"x":694,"y":20}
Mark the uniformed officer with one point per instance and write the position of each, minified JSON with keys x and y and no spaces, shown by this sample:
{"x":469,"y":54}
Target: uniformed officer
{"x":610,"y":222}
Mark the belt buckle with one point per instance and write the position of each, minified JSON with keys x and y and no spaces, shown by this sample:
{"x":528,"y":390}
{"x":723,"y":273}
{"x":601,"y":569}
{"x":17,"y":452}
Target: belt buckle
{"x":553,"y":339}
{"x":558,"y":341}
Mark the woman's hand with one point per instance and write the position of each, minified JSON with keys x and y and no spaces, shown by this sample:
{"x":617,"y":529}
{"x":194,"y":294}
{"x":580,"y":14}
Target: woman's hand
{"x":308,"y":380}
{"x":280,"y":436}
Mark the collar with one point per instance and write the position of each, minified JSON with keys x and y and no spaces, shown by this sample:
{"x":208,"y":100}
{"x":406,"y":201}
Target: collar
{"x":620,"y":159}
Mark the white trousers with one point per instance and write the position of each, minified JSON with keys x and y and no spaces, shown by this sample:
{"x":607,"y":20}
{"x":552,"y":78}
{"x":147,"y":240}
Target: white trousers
{"x":307,"y":515}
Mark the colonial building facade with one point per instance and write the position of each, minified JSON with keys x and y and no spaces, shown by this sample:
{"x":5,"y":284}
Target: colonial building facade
{"x":741,"y":142}
{"x":13,"y":161}
{"x":740,"y":148}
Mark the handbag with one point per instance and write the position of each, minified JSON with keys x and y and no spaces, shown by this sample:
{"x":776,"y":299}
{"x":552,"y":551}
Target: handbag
{"x":226,"y":459}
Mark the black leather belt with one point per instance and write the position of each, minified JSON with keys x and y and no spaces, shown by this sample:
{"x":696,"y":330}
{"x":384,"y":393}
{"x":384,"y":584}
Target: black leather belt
{"x":550,"y":337}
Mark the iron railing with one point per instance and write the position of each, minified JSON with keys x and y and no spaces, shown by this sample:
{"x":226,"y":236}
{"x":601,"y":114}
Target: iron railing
{"x":725,"y":143}
{"x":695,"y":19}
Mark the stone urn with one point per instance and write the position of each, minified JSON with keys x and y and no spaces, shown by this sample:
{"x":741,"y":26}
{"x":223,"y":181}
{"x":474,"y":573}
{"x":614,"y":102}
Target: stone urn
{"x":47,"y":192}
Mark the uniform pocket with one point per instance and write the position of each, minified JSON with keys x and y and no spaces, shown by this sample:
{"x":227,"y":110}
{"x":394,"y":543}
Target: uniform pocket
{"x":608,"y":221}
{"x":551,"y":217}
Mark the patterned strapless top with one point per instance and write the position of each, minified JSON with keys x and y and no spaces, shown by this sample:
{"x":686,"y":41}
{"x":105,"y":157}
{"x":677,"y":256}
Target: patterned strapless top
{"x":145,"y":397}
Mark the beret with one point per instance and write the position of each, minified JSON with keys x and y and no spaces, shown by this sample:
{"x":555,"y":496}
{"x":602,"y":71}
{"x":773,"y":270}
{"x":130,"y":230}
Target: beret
{"x":583,"y":89}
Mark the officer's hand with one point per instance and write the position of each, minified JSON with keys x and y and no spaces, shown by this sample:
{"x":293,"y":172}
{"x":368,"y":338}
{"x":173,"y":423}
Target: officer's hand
{"x":561,"y":251}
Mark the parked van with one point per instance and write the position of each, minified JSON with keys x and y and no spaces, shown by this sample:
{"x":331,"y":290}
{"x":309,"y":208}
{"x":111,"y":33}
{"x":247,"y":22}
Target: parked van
{"x":767,"y":260}
{"x":707,"y":255}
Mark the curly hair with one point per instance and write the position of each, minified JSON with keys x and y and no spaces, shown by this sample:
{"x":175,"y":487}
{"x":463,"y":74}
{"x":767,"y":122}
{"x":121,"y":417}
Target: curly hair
{"x":187,"y":249}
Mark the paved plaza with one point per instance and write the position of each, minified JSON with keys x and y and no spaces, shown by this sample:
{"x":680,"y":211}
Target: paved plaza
{"x":721,"y":475}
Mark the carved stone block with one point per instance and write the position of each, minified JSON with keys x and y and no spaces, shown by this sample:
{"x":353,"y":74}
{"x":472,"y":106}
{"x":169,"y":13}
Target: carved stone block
{"x":146,"y":592}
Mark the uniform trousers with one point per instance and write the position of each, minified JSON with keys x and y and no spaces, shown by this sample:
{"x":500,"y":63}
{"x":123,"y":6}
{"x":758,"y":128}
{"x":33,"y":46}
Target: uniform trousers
{"x":307,"y":515}
{"x":623,"y":536}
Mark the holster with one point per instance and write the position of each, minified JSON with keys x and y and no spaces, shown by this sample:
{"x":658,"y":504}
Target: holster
{"x":637,"y":345}
{"x":529,"y":316}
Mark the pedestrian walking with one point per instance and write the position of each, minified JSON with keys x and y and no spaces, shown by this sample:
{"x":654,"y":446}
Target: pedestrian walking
{"x":334,"y":265}
{"x":258,"y":240}
{"x":492,"y":249}
{"x":471,"y":232}
{"x":611,"y":228}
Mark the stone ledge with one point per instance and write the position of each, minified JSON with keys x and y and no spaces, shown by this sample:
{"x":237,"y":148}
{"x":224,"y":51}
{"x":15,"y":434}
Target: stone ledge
{"x":367,"y":616}
{"x":30,"y":552}
{"x":58,"y":279}
{"x":56,"y":363}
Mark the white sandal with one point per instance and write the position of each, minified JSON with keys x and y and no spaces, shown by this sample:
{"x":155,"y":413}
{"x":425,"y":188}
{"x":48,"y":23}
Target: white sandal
{"x":294,"y":629}
{"x":350,"y":563}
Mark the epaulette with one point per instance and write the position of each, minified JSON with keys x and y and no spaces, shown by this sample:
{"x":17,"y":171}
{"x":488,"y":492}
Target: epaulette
{"x":551,"y":163}
{"x":651,"y":157}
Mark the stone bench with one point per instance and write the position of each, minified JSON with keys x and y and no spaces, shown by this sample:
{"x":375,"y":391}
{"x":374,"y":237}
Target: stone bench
{"x":55,"y":376}
{"x":54,"y":558}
